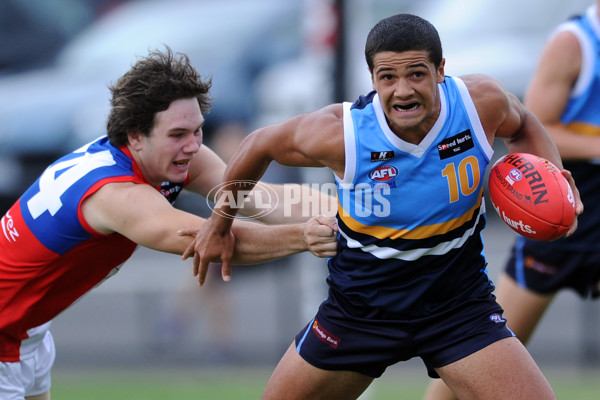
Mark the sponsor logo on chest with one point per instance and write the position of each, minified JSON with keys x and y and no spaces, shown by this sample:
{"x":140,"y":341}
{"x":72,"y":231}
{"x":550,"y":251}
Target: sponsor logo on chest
{"x":455,"y":145}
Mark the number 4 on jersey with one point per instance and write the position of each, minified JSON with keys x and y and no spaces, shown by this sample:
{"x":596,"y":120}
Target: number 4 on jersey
{"x":52,"y":187}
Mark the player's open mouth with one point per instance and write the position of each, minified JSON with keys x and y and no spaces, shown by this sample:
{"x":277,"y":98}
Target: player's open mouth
{"x":181,"y":163}
{"x":406,"y":107}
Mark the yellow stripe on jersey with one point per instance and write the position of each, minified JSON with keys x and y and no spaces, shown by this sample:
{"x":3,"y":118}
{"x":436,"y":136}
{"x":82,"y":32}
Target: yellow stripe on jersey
{"x":421,"y":232}
{"x":583,"y":128}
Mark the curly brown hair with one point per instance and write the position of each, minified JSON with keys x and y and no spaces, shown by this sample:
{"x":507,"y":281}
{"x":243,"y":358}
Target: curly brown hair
{"x":149,"y":87}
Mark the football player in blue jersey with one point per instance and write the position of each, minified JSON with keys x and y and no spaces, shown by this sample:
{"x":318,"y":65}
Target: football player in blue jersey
{"x":565,"y":96}
{"x":409,"y":279}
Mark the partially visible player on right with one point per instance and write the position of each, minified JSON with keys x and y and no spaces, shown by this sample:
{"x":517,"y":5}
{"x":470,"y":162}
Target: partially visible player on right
{"x":565,"y":96}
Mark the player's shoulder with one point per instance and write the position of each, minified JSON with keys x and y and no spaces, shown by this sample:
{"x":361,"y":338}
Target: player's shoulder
{"x":116,"y":201}
{"x":567,"y":32}
{"x":331,"y":119}
{"x":495,"y":105}
{"x":112,"y":190}
{"x":481,"y":85}
{"x":488,"y":94}
{"x":322,"y":122}
{"x":333,"y":111}
{"x":570,"y":46}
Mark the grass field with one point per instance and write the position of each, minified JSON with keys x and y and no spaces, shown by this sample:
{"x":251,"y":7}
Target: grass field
{"x":247,"y":383}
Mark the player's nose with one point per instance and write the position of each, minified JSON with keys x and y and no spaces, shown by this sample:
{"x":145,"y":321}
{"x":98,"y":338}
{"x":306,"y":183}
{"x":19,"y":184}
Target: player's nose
{"x":193,"y":143}
{"x":403,"y":88}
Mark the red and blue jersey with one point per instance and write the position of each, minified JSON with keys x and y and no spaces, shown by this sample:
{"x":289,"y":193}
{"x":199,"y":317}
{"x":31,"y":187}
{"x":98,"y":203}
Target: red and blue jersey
{"x":49,"y":255}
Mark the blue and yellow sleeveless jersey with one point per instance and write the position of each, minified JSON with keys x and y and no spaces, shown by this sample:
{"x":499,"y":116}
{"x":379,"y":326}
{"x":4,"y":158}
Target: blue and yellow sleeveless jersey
{"x":410,"y":216}
{"x":582,"y":116}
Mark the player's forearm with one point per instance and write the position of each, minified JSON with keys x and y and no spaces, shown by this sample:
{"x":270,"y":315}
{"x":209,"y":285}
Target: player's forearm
{"x":534,"y":139}
{"x":257,"y":243}
{"x":171,"y":234}
{"x":297,"y":203}
{"x":243,"y":171}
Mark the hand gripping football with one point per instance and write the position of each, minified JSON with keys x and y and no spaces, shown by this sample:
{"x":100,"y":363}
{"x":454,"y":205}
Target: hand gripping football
{"x":531,"y":196}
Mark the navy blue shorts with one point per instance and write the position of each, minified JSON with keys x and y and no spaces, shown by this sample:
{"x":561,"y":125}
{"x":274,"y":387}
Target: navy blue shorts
{"x":544,"y":270}
{"x":336,"y":341}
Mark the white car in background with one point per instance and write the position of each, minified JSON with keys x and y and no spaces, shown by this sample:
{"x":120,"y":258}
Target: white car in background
{"x":47,"y":112}
{"x":53,"y":110}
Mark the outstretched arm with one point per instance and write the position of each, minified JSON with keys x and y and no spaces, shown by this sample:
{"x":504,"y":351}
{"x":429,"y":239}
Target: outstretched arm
{"x":144,"y":216}
{"x":318,"y":235}
{"x":308,"y":140}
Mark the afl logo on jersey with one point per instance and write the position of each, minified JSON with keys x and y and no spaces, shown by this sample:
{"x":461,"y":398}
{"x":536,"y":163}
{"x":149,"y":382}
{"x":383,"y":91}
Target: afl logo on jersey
{"x":384,"y":174}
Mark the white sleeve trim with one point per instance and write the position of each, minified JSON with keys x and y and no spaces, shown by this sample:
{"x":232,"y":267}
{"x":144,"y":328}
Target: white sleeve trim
{"x":474,"y":117}
{"x":349,"y":146}
{"x":586,"y":73}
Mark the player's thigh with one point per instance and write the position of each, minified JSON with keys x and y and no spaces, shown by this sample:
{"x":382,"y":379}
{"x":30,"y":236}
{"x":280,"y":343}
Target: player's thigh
{"x":523,"y":308}
{"x":438,"y":390}
{"x":503,"y":370}
{"x":45,"y":396}
{"x":296,"y":379}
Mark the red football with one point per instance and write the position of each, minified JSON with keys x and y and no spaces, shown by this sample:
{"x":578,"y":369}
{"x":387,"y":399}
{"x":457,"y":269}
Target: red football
{"x":531,"y":196}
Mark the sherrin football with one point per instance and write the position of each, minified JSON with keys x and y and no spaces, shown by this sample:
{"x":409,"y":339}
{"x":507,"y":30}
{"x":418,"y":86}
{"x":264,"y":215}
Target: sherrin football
{"x":531,"y":196}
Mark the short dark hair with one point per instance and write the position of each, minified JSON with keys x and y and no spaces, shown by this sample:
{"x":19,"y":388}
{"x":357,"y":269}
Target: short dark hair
{"x":149,"y":87}
{"x":403,"y":32}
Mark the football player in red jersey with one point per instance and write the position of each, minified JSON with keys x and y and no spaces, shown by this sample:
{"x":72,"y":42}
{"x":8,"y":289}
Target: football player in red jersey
{"x":90,"y":209}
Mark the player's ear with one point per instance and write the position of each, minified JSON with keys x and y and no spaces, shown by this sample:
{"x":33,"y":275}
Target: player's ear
{"x":135,"y":139}
{"x":372,"y":78}
{"x":440,"y":71}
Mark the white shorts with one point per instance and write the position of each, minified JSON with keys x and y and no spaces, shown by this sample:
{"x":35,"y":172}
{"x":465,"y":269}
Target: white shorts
{"x":30,"y":376}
